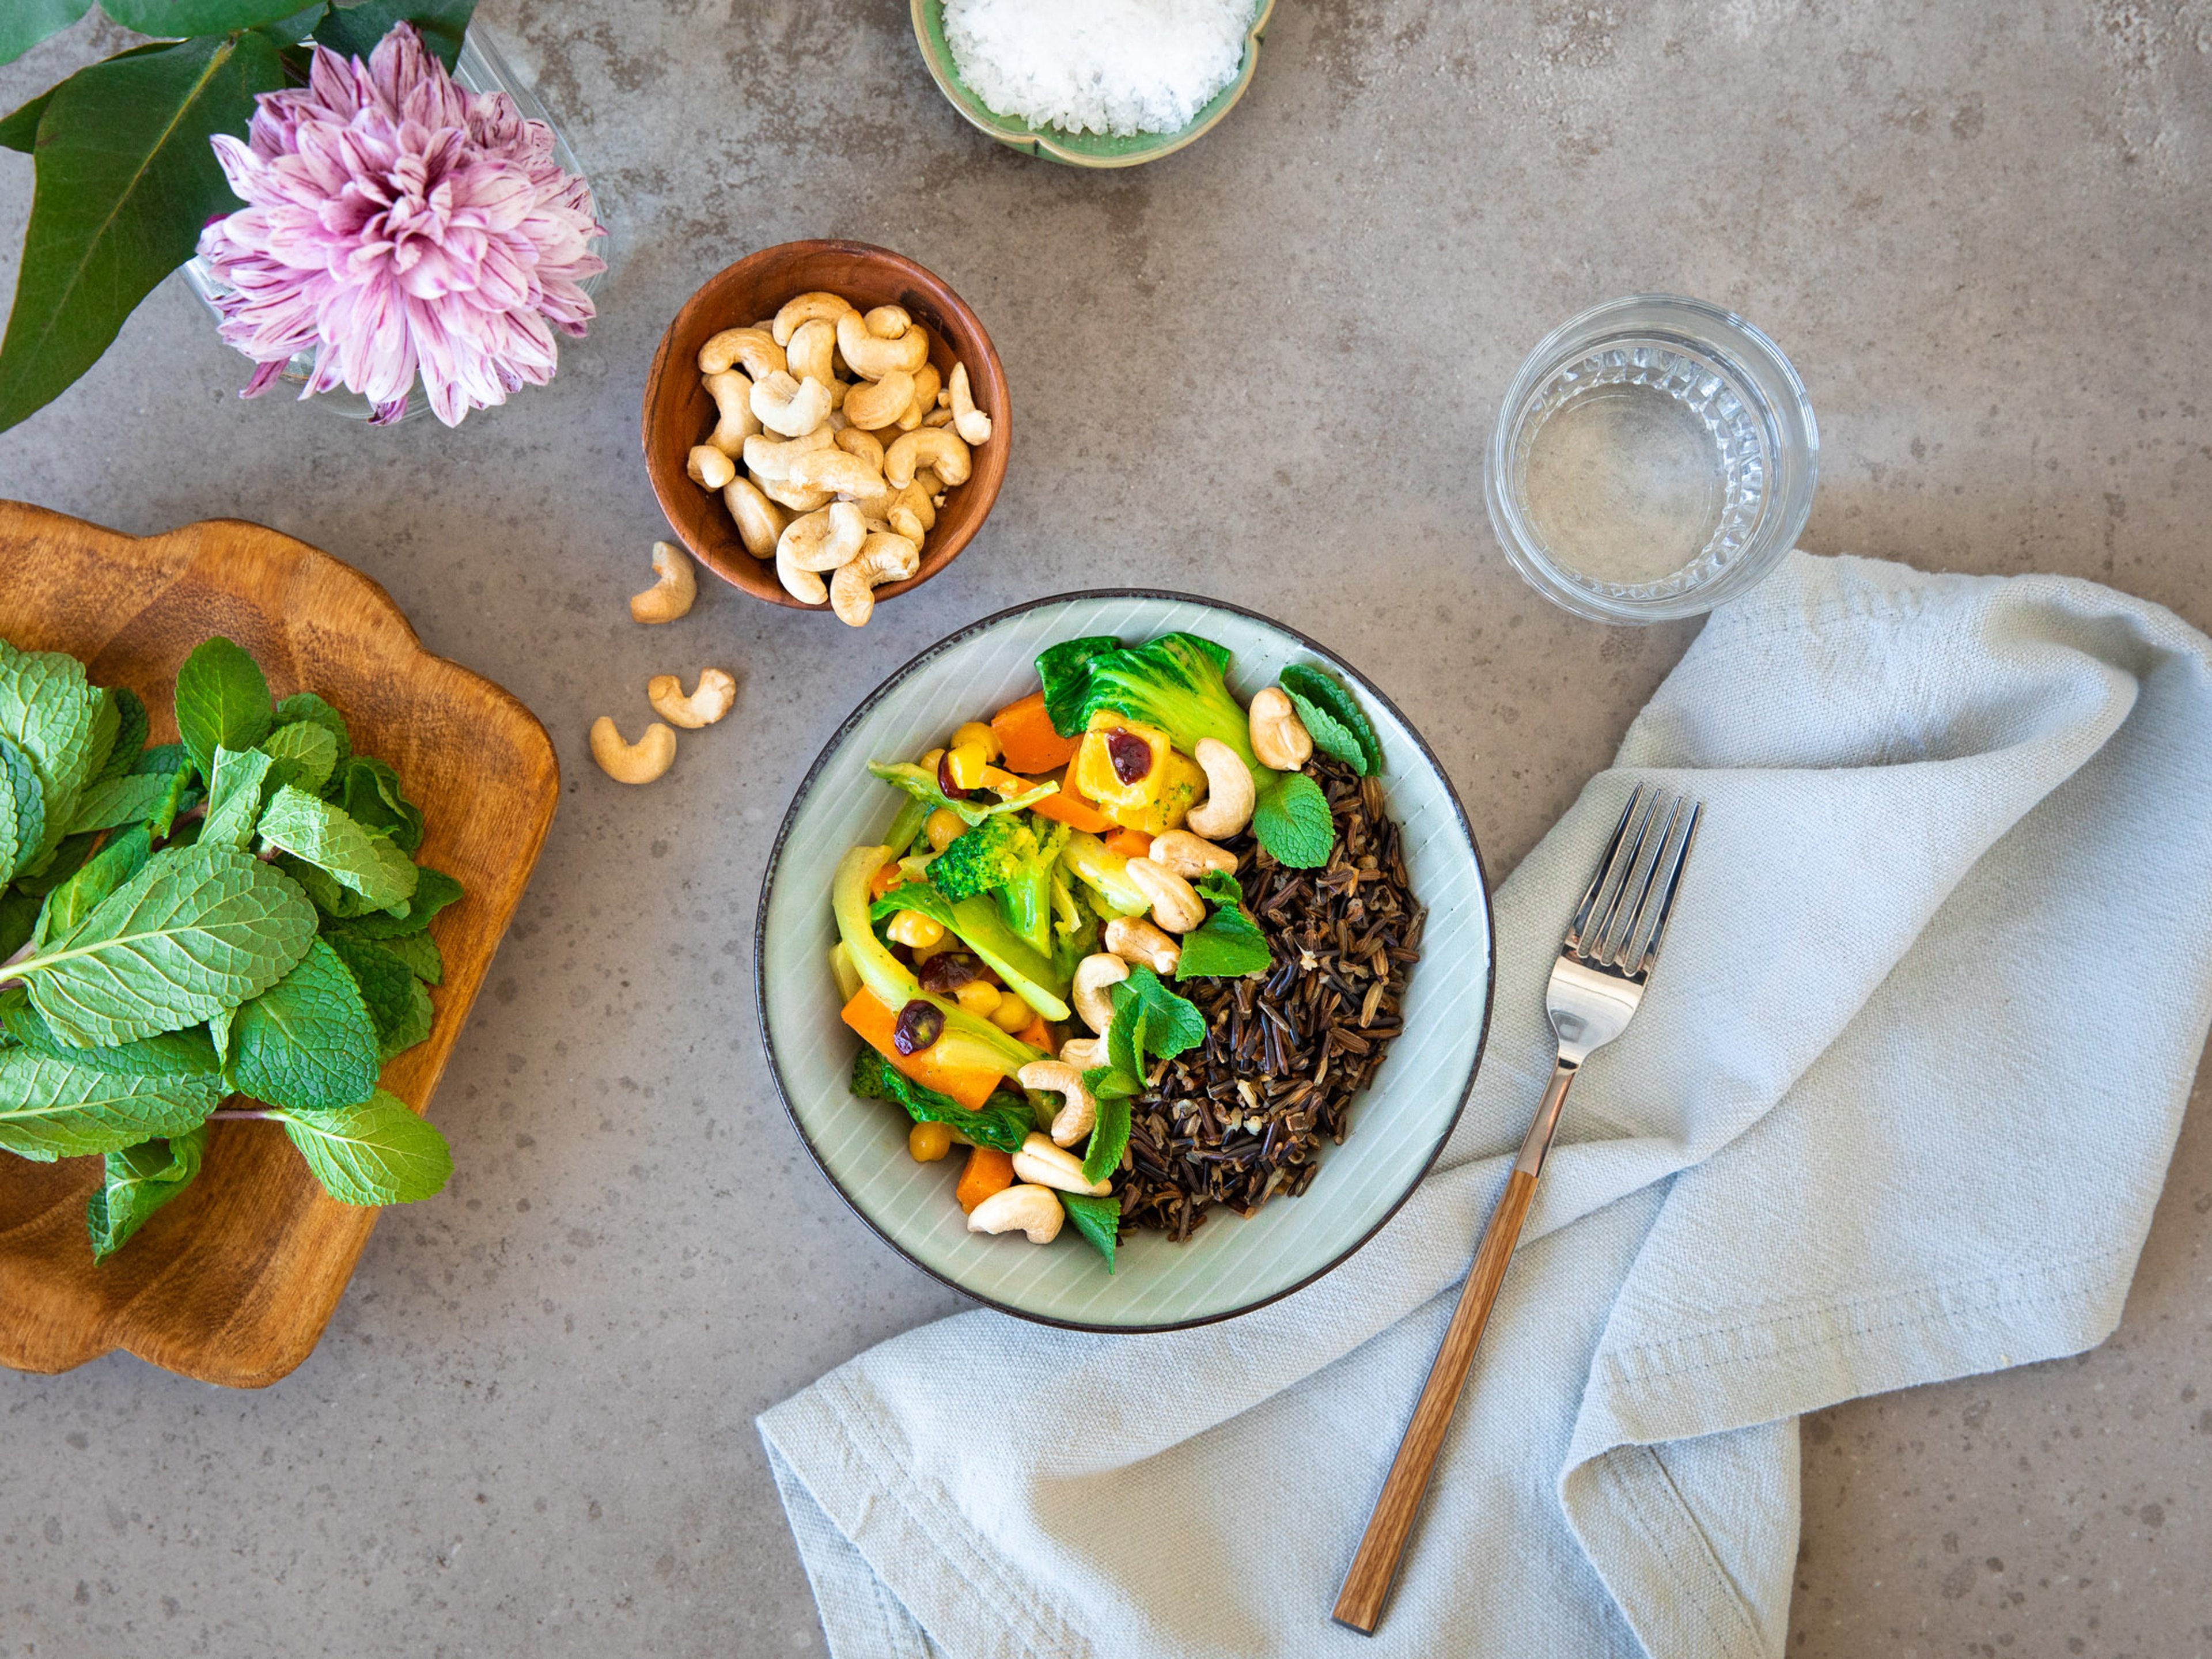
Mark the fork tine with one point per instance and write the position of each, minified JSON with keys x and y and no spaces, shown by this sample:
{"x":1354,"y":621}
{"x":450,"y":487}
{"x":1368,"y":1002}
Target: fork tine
{"x":1636,"y":885}
{"x":1587,"y":911}
{"x":1651,"y":925}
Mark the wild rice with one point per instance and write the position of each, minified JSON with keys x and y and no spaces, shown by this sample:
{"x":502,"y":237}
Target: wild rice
{"x":1240,"y":1119}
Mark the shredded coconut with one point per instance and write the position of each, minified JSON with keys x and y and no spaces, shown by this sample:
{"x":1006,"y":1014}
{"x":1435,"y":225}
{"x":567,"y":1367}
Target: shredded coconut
{"x":1110,"y":66}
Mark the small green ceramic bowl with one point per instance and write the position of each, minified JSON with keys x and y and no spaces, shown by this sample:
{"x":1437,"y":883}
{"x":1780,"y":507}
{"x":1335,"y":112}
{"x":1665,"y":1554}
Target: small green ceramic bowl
{"x":1076,"y":149}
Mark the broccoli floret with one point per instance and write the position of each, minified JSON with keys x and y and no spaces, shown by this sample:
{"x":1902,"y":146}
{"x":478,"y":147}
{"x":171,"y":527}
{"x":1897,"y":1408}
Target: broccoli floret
{"x":995,"y":851}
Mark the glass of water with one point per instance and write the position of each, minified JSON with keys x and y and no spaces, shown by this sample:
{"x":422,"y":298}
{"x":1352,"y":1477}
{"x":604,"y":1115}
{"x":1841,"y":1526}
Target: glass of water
{"x":1654,"y":457}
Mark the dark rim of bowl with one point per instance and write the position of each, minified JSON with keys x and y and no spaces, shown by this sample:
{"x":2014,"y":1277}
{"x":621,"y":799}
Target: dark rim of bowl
{"x":806,"y":787}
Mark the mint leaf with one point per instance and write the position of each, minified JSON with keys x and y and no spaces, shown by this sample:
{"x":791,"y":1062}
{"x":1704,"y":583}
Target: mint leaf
{"x":139,"y":1179}
{"x":307,"y":1041}
{"x":1110,"y":1139}
{"x":163,"y":757}
{"x":196,"y":930}
{"x":222,"y":702}
{"x":310,"y":751}
{"x":1173,"y":1024}
{"x":334,"y":841}
{"x":1333,"y":717}
{"x":118,"y":801}
{"x":186,"y":1054}
{"x":173,"y":799}
{"x":52,"y":1107}
{"x":19,"y":917}
{"x":22,"y":810}
{"x":1098,"y":1220}
{"x":218,"y":1030}
{"x":50,"y":713}
{"x":1292,"y":820}
{"x":1110,"y":1083}
{"x":306,"y":705}
{"x":24,"y":23}
{"x":378,"y":1152}
{"x":370,"y":791}
{"x":125,"y":178}
{"x":419,"y":952}
{"x":353,"y":26}
{"x":397,"y":1004}
{"x":1005,"y":1120}
{"x":123,"y":856}
{"x":433,"y":890}
{"x":123,"y":755}
{"x":234,"y":796}
{"x":1229,"y":944}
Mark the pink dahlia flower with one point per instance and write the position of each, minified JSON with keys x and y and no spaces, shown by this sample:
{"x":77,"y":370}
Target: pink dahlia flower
{"x":397,"y":224}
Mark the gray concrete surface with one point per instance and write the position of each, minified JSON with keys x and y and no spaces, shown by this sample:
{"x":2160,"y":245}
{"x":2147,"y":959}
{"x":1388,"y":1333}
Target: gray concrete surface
{"x":1262,"y":369}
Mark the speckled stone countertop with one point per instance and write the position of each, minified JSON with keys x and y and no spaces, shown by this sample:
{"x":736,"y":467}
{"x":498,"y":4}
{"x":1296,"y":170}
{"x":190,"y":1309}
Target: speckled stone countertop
{"x":1263,"y":369}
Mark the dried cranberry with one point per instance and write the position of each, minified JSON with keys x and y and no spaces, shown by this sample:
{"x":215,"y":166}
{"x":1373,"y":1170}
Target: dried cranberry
{"x":948,"y":971}
{"x":919,"y":1024}
{"x":1131,"y":755}
{"x":946,"y":786}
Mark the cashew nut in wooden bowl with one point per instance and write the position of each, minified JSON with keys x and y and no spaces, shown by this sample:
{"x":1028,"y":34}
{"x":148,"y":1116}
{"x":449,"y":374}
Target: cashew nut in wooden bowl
{"x":679,"y":412}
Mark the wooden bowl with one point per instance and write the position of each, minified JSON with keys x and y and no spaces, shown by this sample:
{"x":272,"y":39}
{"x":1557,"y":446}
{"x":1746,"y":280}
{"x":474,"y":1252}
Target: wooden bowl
{"x":234,"y":1281}
{"x":678,"y":413}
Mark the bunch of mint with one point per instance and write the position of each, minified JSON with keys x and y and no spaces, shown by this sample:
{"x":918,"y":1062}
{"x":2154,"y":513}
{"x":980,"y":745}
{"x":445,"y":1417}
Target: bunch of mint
{"x":236,"y":913}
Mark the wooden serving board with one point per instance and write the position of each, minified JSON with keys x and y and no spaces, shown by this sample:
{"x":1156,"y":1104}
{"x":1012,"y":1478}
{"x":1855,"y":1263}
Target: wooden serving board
{"x":235,"y":1280}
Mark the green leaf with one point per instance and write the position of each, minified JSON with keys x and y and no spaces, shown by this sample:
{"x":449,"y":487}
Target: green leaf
{"x":1229,"y":944}
{"x":140,"y":1179}
{"x":222,"y":702}
{"x":53,"y":1108}
{"x":118,"y":801}
{"x":1173,"y":1024}
{"x":172,"y":18}
{"x":1098,"y":1220}
{"x":19,"y":918}
{"x":306,"y":705}
{"x":368,"y":789}
{"x":164,"y":758}
{"x":218,"y":1030}
{"x":130,"y":727}
{"x":920,"y":783}
{"x":173,"y":799}
{"x":1334,"y":718}
{"x":291,"y":30}
{"x":355,"y":26}
{"x":419,"y":952}
{"x":1293,"y":822}
{"x":234,"y":796}
{"x":19,"y":130}
{"x":48,"y":711}
{"x":308,"y":749}
{"x":125,"y":178}
{"x":22,"y":810}
{"x":379,"y":1152}
{"x":196,"y":930}
{"x":1066,"y":681}
{"x":397,"y":1004}
{"x":1005,"y":1120}
{"x":433,"y":890}
{"x":1110,"y":1139}
{"x":311,"y":829}
{"x":307,"y":1041}
{"x":186,"y":1054}
{"x":58,"y":865}
{"x":123,"y":857}
{"x":24,"y":23}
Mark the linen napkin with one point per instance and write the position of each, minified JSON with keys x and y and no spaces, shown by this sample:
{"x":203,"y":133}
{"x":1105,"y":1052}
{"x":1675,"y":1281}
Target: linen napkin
{"x":1896,"y":1108}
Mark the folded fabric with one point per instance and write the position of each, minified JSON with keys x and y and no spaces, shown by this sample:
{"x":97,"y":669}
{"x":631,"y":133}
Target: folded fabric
{"x":1897,"y":1107}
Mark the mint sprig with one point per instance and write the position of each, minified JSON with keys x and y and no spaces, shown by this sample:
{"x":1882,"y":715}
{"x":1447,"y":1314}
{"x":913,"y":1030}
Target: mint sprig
{"x":1228,"y":944}
{"x":1150,"y":1023}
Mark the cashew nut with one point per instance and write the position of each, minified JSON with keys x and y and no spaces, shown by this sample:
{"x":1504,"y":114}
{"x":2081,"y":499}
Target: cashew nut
{"x":760,"y":520}
{"x":671,"y":596}
{"x":937,"y":417}
{"x":1048,"y":1165}
{"x":761,"y":355}
{"x":638,"y":762}
{"x":795,"y":408}
{"x":1031,"y":1210}
{"x":888,"y":322}
{"x":1137,"y":941}
{"x":853,"y":441}
{"x":912,"y":513}
{"x":1058,"y":1077}
{"x":798,"y":498}
{"x":1092,"y":975}
{"x":881,"y":402}
{"x":804,"y":309}
{"x":886,"y":557}
{"x":823,"y":540}
{"x":767,"y":459}
{"x":936,"y":446}
{"x":1227,"y":807}
{"x":973,"y":425}
{"x":1175,"y":903}
{"x":926,"y":384}
{"x":716,"y":692}
{"x":1081,"y":1053}
{"x":1190,"y":857}
{"x":1279,"y":737}
{"x":710,"y":467}
{"x":836,"y":469}
{"x":732,"y":395}
{"x":870,"y":357}
{"x":811,"y":349}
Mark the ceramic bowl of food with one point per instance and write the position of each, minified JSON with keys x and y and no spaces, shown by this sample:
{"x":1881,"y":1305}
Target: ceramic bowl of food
{"x":1078,"y":149}
{"x":679,"y":413}
{"x":1414,"y":1060}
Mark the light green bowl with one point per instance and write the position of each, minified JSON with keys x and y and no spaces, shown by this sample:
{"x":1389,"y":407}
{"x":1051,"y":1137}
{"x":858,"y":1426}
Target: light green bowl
{"x":1076,"y":149}
{"x":1231,"y":1265}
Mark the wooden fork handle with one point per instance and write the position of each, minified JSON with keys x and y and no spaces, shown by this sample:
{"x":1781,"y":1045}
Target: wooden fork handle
{"x":1360,"y":1603}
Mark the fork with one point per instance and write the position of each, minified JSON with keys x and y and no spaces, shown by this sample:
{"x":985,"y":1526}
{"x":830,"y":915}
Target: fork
{"x":1595,"y":985}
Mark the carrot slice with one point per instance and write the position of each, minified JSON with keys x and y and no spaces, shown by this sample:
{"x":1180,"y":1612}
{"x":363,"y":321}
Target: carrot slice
{"x":885,"y":879}
{"x":1076,"y":810}
{"x":989,"y":1170}
{"x":1129,"y":843}
{"x":1036,"y":1033}
{"x":971,"y":1087}
{"x":1024,"y":731}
